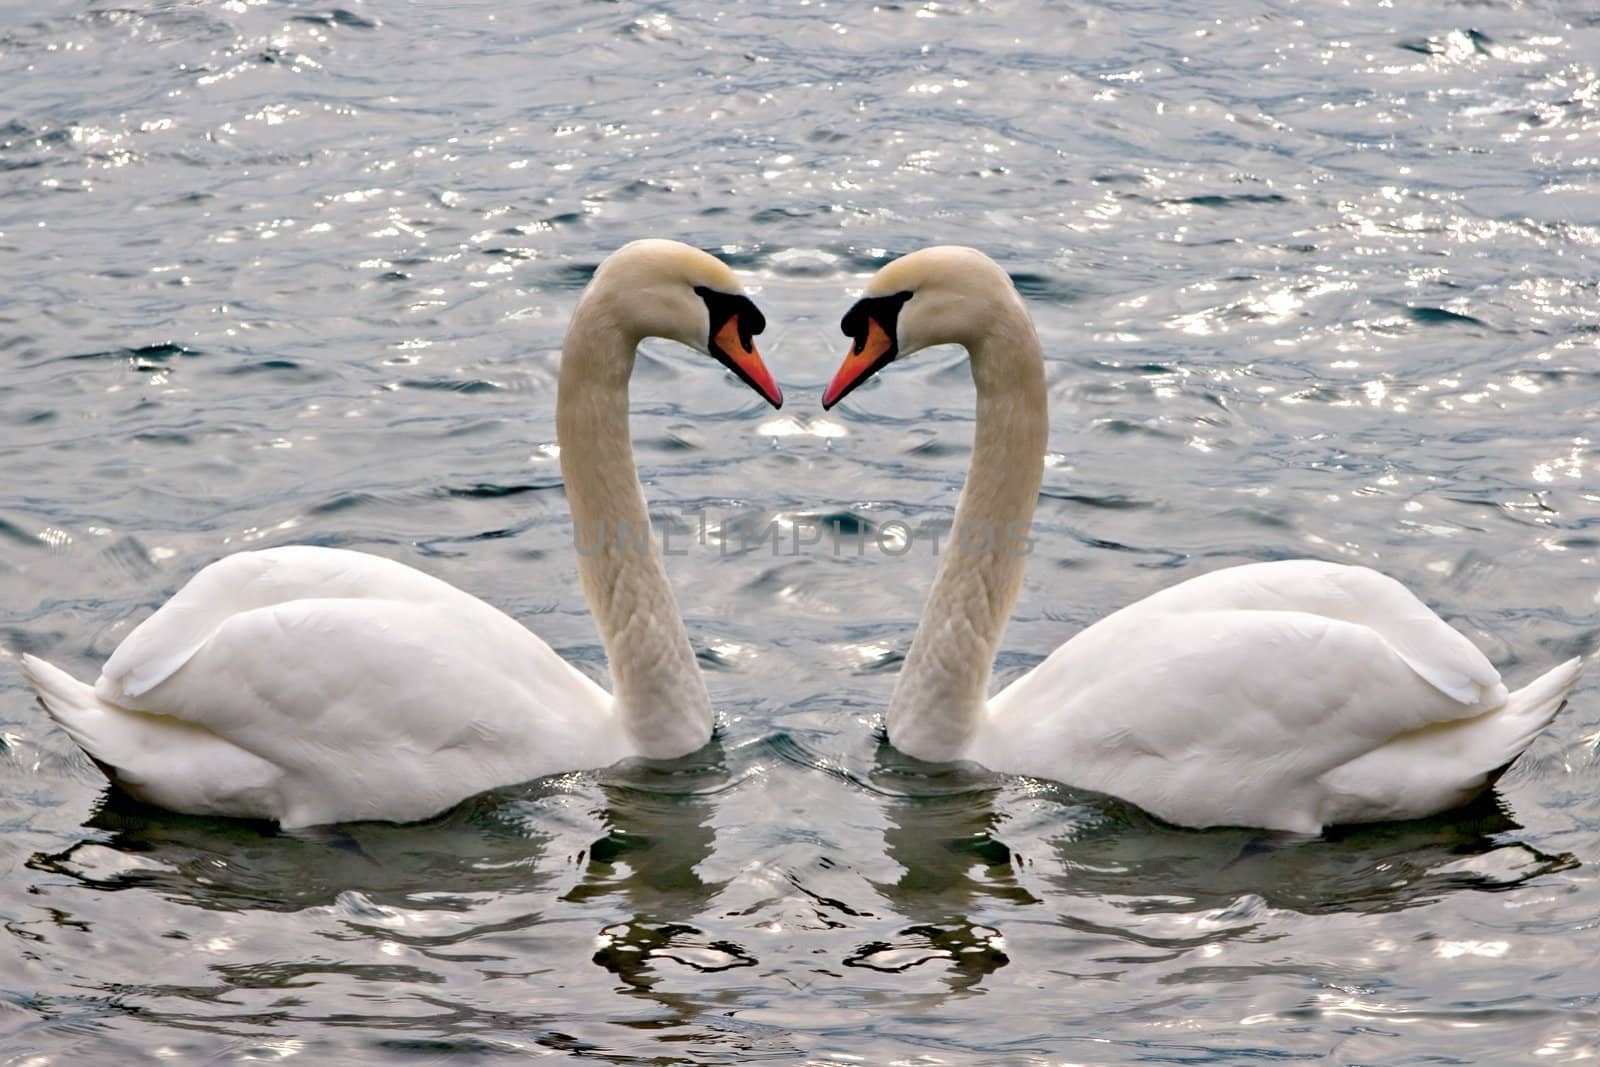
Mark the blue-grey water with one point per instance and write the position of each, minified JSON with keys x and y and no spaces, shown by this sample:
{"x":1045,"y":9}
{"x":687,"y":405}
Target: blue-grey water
{"x":1314,"y":280}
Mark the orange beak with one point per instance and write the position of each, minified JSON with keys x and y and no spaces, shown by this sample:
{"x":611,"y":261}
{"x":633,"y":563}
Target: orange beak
{"x":743,"y":359}
{"x":874,"y":353}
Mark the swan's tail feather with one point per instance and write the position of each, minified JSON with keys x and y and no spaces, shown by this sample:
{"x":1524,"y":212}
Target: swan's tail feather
{"x":71,"y":703}
{"x":159,"y":759}
{"x":1446,"y":764}
{"x":1530,"y":709}
{"x":1544,"y":696}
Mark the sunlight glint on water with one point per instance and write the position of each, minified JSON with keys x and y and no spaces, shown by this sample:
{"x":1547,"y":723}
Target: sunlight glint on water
{"x":1312,"y":282}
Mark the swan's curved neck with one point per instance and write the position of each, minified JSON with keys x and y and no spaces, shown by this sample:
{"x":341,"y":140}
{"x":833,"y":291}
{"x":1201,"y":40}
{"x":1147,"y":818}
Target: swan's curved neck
{"x":659,"y":692}
{"x":939,"y":697}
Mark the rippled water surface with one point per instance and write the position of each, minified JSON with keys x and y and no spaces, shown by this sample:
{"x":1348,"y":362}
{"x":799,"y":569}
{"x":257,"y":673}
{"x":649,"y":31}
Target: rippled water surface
{"x":1313,"y":279}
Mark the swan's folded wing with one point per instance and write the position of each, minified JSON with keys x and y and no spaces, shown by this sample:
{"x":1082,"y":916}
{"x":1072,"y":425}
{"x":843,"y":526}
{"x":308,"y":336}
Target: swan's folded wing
{"x":246,"y":581}
{"x":1212,"y":718}
{"x":384,"y":709}
{"x":1431,"y":646}
{"x":1437,"y":652}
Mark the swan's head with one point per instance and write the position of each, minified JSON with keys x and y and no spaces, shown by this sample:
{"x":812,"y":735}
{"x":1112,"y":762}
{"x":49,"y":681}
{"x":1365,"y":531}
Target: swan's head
{"x":667,"y":289}
{"x":934,"y":296}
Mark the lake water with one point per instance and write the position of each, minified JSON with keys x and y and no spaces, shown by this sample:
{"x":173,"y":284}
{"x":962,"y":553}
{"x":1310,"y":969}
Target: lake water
{"x":1314,"y":280}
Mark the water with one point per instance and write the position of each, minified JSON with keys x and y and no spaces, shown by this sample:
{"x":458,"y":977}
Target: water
{"x":1314,"y":280}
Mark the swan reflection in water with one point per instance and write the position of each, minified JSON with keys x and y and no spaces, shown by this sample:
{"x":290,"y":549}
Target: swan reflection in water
{"x":1115,"y":851}
{"x":941,"y":830}
{"x":980,"y":853}
{"x":489,"y":844}
{"x":651,"y":857}
{"x":505,"y":886}
{"x":467,"y":920}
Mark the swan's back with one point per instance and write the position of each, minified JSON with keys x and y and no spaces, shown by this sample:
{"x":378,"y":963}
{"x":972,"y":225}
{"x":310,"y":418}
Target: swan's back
{"x":247,"y":581}
{"x":317,"y":685}
{"x":1274,"y":694}
{"x":1350,"y":594}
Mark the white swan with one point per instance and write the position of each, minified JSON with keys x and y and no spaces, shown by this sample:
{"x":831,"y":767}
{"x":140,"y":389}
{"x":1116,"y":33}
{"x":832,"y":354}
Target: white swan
{"x":1289,"y":695}
{"x":315,"y":685}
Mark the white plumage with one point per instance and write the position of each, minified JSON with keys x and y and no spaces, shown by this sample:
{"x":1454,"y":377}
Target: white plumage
{"x":314,"y":685}
{"x":1289,"y":695}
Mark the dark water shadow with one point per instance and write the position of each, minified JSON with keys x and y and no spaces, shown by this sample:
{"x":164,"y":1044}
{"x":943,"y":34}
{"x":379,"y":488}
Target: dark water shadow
{"x":968,"y":839}
{"x":658,"y":835}
{"x":660,"y":942}
{"x":941,"y":830}
{"x":498,"y":861}
{"x":497,"y":841}
{"x":482,"y":845}
{"x":1105,"y":847}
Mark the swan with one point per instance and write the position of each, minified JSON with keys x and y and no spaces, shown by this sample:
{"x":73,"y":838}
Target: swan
{"x":314,"y":685}
{"x":1288,"y":695}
